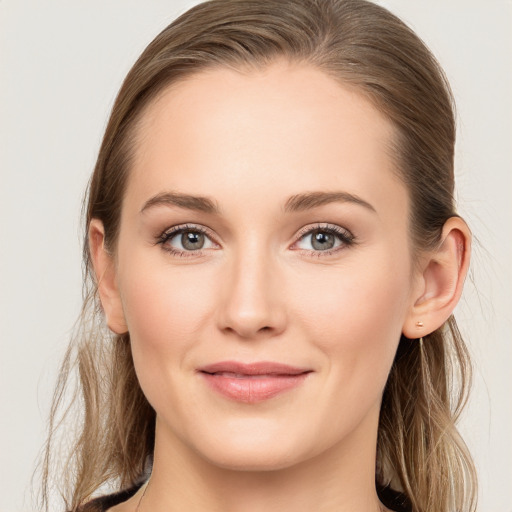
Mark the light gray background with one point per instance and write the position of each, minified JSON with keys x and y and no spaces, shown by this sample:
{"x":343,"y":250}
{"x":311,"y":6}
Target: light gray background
{"x":62,"y":62}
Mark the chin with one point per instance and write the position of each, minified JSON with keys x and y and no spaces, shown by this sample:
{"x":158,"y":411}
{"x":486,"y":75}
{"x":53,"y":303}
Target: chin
{"x":258,"y":459}
{"x":254,"y":449}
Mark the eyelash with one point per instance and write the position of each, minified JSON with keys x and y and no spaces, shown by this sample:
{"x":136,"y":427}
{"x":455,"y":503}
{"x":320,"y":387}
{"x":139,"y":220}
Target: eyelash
{"x":346,"y":237}
{"x":177,"y":230}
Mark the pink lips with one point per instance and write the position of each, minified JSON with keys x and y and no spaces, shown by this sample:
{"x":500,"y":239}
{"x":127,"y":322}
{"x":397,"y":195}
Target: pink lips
{"x":254,"y":382}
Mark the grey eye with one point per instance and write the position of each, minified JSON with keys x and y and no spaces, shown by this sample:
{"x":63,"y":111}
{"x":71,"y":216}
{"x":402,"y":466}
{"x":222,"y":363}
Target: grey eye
{"x":187,"y":240}
{"x":192,"y":240}
{"x":322,"y":240}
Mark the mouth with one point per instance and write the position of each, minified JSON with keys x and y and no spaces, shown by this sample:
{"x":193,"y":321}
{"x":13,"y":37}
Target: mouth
{"x":253,"y":382}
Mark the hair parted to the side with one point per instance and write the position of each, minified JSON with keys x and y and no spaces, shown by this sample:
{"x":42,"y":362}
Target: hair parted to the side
{"x":359,"y":44}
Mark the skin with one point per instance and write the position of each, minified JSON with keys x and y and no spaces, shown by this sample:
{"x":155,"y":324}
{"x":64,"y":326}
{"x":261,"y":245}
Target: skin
{"x":260,"y":290}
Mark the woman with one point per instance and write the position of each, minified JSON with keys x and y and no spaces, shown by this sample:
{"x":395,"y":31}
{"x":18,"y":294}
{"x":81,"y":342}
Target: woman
{"x":272,"y":242}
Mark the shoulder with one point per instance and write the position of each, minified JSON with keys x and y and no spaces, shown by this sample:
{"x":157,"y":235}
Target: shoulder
{"x":394,"y":500}
{"x":103,"y":503}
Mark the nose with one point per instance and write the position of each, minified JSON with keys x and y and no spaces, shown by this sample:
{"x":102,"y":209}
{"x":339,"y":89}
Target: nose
{"x":252,"y":304}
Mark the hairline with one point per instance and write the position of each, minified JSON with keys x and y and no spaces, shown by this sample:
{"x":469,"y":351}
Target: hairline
{"x":393,"y":146}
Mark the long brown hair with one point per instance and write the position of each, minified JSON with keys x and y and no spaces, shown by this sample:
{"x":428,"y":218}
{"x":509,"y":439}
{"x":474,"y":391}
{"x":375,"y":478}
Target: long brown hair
{"x":356,"y":42}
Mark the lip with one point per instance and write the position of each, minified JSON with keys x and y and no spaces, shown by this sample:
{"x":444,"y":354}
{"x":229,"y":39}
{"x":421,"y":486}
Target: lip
{"x":252,"y":382}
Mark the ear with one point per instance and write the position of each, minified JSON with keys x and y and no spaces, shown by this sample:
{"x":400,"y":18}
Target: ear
{"x":104,"y":268}
{"x":439,"y":285}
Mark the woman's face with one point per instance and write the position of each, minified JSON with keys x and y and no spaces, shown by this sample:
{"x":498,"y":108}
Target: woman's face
{"x":264,"y":225}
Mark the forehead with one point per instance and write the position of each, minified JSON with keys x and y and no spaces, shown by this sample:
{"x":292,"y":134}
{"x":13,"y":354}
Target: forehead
{"x":265,"y":133}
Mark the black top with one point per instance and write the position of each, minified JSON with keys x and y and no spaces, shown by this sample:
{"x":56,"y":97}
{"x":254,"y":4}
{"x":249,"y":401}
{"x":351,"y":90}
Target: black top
{"x":389,"y":497}
{"x":103,"y":503}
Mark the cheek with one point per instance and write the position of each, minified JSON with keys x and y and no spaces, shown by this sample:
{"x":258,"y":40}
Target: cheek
{"x":355,"y":314}
{"x":165,"y":310}
{"x":164,"y":307}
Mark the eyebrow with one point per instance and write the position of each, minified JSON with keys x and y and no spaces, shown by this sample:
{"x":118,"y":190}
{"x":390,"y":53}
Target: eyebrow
{"x":296,"y":203}
{"x":308,"y":200}
{"x":197,"y":203}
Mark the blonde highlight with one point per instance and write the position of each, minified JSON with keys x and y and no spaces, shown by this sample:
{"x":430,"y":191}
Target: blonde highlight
{"x":420,"y":451}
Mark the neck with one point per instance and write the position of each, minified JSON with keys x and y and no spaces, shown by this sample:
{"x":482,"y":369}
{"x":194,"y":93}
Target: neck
{"x":341,"y":479}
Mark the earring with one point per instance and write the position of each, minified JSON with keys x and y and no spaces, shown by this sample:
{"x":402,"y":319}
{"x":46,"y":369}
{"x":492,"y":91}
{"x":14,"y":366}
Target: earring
{"x":419,"y":324}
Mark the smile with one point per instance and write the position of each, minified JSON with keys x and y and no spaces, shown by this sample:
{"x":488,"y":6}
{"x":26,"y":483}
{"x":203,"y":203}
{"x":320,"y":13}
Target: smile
{"x":254,"y":382}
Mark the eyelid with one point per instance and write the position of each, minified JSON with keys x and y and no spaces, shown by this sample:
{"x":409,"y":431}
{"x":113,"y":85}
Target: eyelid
{"x":173,"y":231}
{"x":343,"y":234}
{"x":323,"y":225}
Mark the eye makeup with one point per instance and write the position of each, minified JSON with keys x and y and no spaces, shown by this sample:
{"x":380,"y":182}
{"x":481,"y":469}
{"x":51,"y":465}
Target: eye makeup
{"x":188,"y":236}
{"x":325,"y":240}
{"x":339,"y":237}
